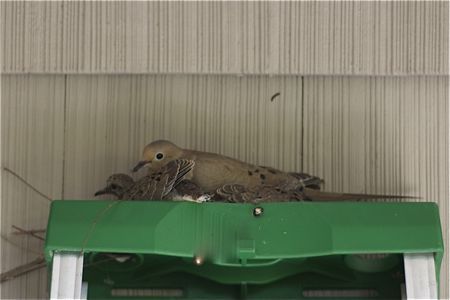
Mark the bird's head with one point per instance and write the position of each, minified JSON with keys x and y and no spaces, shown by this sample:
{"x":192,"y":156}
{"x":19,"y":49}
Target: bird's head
{"x":157,"y":154}
{"x":116,"y":184}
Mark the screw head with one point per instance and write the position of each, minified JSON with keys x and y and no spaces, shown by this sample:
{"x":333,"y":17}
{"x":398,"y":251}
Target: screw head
{"x":198,"y":260}
{"x":258,"y":211}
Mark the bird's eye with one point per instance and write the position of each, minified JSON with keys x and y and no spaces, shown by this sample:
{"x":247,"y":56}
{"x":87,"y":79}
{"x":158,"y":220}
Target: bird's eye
{"x":159,"y":156}
{"x":114,"y":186}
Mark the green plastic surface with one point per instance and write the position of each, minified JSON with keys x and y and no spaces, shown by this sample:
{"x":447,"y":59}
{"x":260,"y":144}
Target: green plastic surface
{"x":291,"y":251}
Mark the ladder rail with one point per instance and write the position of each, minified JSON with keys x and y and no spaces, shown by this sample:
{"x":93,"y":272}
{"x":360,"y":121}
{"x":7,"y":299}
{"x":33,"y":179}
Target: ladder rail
{"x":67,"y":274}
{"x":420,"y":276}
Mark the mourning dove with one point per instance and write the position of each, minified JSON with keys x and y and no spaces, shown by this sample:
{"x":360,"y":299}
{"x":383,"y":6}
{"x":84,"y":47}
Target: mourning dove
{"x":213,"y":171}
{"x":157,"y":185}
{"x":237,"y":193}
{"x":117,"y":184}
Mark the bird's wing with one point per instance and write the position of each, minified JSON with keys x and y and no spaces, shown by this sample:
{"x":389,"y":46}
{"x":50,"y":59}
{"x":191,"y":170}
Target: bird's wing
{"x":171,"y":175}
{"x":184,"y":167}
{"x":265,"y":193}
{"x":236,"y":193}
{"x":187,"y":187}
{"x":309,"y":181}
{"x":143,"y":189}
{"x":258,"y":194}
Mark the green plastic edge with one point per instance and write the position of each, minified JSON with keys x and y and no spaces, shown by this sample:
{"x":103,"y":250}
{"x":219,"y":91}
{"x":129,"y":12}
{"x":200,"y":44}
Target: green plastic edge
{"x":407,"y":228}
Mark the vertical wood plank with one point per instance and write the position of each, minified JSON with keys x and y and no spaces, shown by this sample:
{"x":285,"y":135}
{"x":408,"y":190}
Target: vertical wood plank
{"x":380,"y":135}
{"x":32,"y":146}
{"x":304,"y":37}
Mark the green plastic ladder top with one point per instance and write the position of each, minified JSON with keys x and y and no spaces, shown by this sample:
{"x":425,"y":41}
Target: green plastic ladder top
{"x":226,"y":244}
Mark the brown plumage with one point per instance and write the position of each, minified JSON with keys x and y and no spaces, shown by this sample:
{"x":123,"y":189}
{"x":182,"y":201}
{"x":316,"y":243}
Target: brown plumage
{"x":218,"y":173}
{"x":156,"y":185}
{"x":213,"y":171}
{"x":237,"y":193}
{"x":187,"y":189}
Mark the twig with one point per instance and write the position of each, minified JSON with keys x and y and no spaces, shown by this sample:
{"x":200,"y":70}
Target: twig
{"x":6,"y":239}
{"x":23,"y":269}
{"x":27,"y":184}
{"x":95,"y":221}
{"x":28,"y":232}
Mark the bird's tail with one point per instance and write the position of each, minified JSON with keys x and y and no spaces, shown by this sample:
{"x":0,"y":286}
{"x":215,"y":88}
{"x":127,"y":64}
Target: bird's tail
{"x":316,"y":195}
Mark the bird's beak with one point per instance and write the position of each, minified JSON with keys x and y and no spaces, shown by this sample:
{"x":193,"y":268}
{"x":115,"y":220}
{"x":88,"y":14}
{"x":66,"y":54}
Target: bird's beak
{"x":141,"y":164}
{"x":106,"y":190}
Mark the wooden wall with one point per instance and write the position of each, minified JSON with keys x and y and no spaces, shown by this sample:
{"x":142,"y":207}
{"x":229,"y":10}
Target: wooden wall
{"x":86,"y":85}
{"x":308,"y":37}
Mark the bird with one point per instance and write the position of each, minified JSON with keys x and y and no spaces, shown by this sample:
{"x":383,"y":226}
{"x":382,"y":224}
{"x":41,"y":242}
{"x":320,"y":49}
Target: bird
{"x":116,"y":184}
{"x":236,"y":193}
{"x":159,"y":184}
{"x":215,"y":173}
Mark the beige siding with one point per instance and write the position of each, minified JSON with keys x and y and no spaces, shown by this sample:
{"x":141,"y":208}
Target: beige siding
{"x":326,"y":37}
{"x":32,"y":146}
{"x":381,"y":135}
{"x":372,"y":134}
{"x":64,"y":133}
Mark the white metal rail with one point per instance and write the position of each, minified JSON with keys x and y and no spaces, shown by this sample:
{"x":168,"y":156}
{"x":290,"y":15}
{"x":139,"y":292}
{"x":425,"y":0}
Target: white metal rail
{"x":67,"y":273}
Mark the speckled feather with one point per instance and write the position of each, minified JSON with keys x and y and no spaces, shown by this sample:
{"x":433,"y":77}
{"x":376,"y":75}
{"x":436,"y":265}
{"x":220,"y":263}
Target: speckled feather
{"x":239,"y":194}
{"x":159,"y":184}
{"x":156,"y":185}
